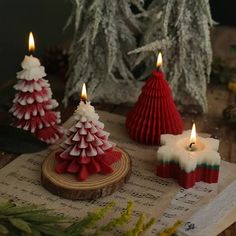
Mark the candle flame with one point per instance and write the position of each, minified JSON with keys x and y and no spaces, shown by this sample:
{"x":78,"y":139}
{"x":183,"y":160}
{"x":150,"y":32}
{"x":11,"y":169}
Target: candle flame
{"x":193,"y":137}
{"x":159,"y":60}
{"x":31,"y":42}
{"x":83,"y":95}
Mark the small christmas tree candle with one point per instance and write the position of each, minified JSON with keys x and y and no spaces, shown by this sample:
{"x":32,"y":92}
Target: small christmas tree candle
{"x":33,"y":103}
{"x":87,"y":149}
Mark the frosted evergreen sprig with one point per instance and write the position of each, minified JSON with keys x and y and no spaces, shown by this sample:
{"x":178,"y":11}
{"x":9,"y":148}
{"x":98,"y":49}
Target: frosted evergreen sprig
{"x":104,"y":33}
{"x":97,"y":7}
{"x":153,"y":47}
{"x":186,"y":26}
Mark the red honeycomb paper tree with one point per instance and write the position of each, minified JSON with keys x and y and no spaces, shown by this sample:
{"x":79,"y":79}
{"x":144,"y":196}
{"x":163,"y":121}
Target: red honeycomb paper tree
{"x":154,"y":113}
{"x":33,"y":103}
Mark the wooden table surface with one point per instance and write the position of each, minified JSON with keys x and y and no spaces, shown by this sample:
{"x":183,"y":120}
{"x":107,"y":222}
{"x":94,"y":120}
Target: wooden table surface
{"x":218,"y":98}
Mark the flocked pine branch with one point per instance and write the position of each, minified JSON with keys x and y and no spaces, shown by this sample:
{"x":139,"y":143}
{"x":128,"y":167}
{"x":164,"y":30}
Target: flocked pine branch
{"x":153,"y":46}
{"x":185,"y":26}
{"x":104,"y":33}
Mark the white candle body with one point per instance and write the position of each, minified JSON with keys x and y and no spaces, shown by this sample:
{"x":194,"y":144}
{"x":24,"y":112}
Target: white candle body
{"x":175,"y":148}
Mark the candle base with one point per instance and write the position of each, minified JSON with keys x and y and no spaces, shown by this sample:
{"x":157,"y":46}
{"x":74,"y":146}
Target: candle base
{"x":205,"y":173}
{"x":95,"y":186}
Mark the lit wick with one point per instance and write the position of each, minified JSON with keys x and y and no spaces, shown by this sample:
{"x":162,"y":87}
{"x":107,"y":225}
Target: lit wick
{"x":190,"y":145}
{"x":83,"y":96}
{"x":193,"y":138}
{"x":31,"y":43}
{"x":159,"y":61}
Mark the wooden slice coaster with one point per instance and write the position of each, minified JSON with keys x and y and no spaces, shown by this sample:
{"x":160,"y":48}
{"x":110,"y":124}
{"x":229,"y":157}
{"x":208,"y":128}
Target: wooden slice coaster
{"x":96,"y":186}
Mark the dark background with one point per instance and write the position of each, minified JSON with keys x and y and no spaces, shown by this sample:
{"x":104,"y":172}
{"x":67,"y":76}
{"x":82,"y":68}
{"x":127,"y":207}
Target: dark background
{"x":223,"y":11}
{"x":46,"y":18}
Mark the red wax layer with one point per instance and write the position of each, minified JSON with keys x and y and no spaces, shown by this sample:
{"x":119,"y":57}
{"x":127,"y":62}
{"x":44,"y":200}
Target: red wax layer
{"x":187,"y":180}
{"x":85,"y":166}
{"x":154,"y":113}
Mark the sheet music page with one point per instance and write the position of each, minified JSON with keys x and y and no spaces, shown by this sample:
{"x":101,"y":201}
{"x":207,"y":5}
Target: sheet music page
{"x":20,"y":181}
{"x":187,"y":201}
{"x":156,"y":197}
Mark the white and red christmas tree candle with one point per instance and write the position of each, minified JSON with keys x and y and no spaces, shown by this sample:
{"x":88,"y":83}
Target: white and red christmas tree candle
{"x":33,"y":103}
{"x":188,"y":158}
{"x":155,"y":112}
{"x":86,"y":150}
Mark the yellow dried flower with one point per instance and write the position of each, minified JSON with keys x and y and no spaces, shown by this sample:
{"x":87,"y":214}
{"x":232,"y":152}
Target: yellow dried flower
{"x":232,"y":86}
{"x":171,"y":230}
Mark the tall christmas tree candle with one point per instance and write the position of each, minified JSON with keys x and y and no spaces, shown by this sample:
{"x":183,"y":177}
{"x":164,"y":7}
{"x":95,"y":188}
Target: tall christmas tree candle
{"x":155,"y":112}
{"x":87,"y":149}
{"x":33,"y":103}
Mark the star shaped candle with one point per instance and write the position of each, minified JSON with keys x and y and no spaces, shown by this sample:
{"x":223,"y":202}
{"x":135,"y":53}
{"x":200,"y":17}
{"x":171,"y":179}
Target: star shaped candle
{"x":188,"y":158}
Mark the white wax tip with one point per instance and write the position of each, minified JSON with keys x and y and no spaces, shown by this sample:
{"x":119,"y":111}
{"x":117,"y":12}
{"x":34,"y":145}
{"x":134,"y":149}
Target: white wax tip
{"x":30,"y":62}
{"x":85,"y":110}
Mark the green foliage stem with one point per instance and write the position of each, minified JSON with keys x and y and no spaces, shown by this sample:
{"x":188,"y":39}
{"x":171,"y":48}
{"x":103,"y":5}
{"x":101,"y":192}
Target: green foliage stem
{"x":78,"y":228}
{"x":28,"y":220}
{"x":123,"y":219}
{"x":34,"y":220}
{"x":140,"y":226}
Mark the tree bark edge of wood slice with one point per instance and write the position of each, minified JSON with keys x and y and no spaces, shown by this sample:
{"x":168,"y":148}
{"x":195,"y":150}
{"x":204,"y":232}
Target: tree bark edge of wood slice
{"x":96,"y":186}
